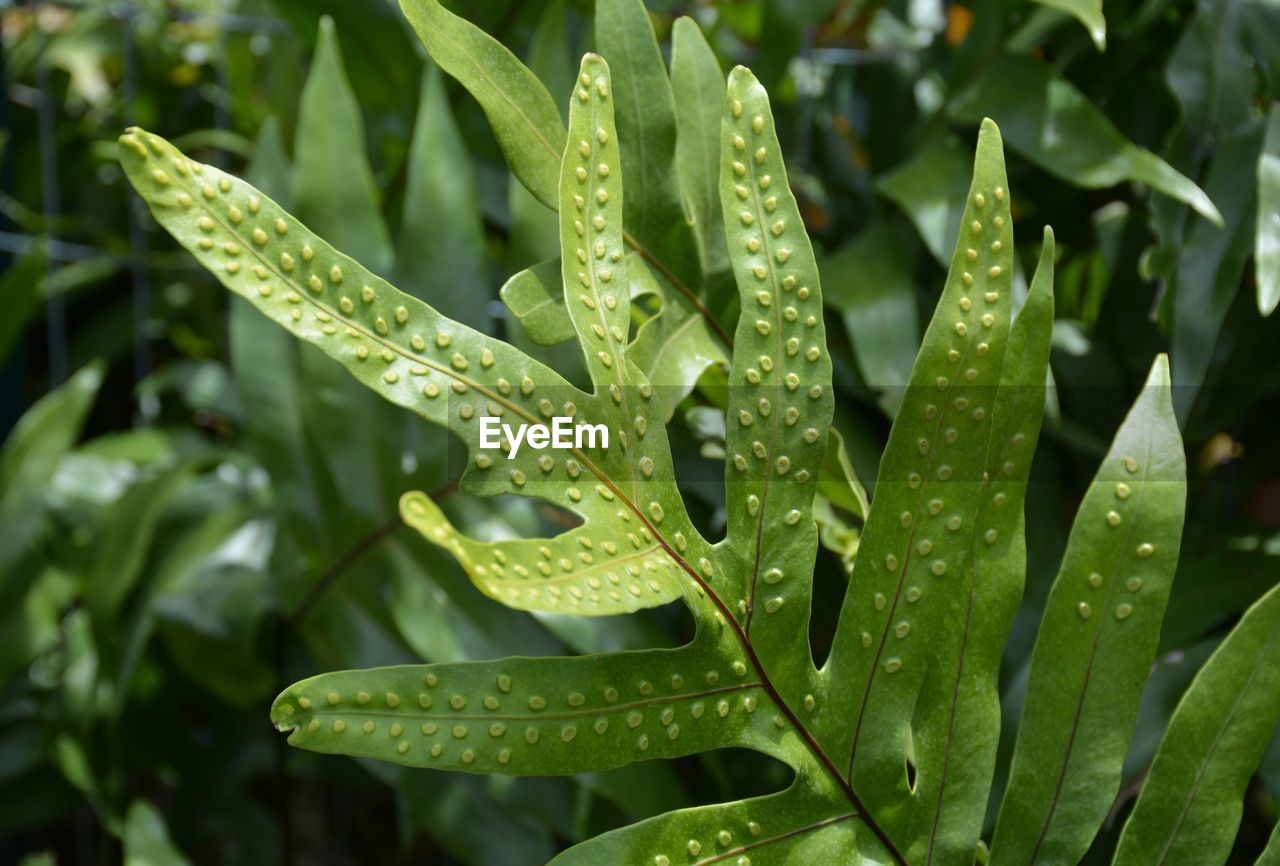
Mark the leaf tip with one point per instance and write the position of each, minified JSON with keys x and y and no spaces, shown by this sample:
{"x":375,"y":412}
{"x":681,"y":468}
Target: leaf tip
{"x":741,"y":77}
{"x":1158,"y":377}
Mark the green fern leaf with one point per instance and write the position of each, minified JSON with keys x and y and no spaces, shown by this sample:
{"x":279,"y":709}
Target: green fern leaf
{"x":892,"y":740}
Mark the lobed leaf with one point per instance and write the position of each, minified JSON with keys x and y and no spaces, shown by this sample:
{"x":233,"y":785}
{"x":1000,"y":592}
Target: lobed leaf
{"x":523,"y":115}
{"x":451,"y":375}
{"x":1097,"y":640}
{"x":1191,"y":802}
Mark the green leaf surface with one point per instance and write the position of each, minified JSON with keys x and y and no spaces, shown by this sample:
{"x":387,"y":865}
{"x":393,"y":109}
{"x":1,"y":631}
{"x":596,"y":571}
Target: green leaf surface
{"x":766,"y":831}
{"x":1266,"y":245}
{"x":1271,"y":854}
{"x":1211,"y":261}
{"x":522,"y":113}
{"x":1088,"y":13}
{"x":536,"y":297}
{"x":698,"y":85}
{"x":440,"y":251}
{"x":21,"y":286}
{"x":1192,"y":798}
{"x":1097,"y":640}
{"x":869,"y":283}
{"x":332,"y":181}
{"x":930,"y":507}
{"x":449,"y":374}
{"x":957,"y":719}
{"x":930,"y":189}
{"x":1046,"y":119}
{"x":32,"y":451}
{"x":780,"y":399}
{"x":529,"y":716}
{"x":646,"y":118}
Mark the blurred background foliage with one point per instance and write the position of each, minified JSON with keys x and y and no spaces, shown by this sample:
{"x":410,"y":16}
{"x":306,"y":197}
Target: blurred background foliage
{"x":195,"y":511}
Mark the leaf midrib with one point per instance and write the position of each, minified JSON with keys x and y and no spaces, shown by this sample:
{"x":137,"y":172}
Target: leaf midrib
{"x":766,"y":248}
{"x":424,"y":715}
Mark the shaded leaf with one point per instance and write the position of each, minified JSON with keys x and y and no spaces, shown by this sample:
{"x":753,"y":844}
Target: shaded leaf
{"x":1192,"y":798}
{"x":1097,"y":639}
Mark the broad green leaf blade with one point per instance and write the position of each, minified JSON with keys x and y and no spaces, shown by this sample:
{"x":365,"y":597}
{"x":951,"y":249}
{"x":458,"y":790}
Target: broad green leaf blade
{"x":1050,"y":122}
{"x":333,"y":186}
{"x":531,"y":717}
{"x":1088,"y":13}
{"x":1097,"y":640}
{"x":957,"y":720}
{"x":1192,"y":799}
{"x":447,"y":373}
{"x":440,"y":253}
{"x":646,"y":118}
{"x":1266,"y":249}
{"x":869,"y":282}
{"x":798,"y":825}
{"x":698,"y":86}
{"x":929,"y":494}
{"x":523,"y":115}
{"x":780,"y":399}
{"x":536,"y":297}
